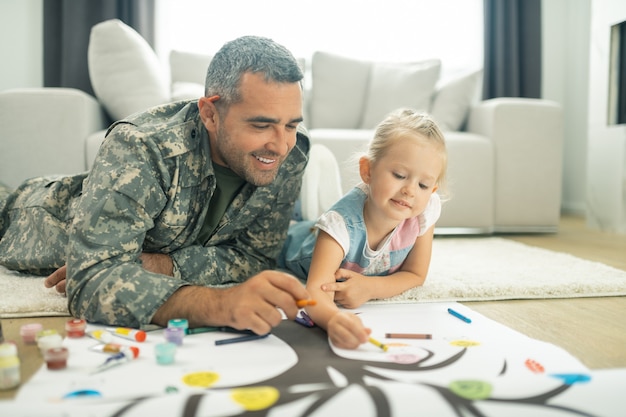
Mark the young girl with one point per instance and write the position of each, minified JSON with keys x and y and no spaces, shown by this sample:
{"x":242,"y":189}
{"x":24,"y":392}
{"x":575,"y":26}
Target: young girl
{"x":376,"y":241}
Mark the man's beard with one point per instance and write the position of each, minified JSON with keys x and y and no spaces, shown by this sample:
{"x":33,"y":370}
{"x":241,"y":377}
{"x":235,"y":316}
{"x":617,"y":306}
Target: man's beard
{"x":241,"y":164}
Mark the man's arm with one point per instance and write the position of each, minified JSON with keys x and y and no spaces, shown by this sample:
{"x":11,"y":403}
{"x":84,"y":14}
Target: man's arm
{"x":251,"y":305}
{"x":125,"y":192}
{"x":123,"y":195}
{"x":153,"y":262}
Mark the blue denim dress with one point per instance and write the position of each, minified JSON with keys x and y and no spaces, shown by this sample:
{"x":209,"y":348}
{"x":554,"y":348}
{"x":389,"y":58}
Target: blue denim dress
{"x":384,"y":260}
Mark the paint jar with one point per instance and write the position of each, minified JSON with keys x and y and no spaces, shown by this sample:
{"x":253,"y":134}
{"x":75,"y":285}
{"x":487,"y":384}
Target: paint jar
{"x":182,"y":323}
{"x":165,"y":352}
{"x":9,"y":366}
{"x":29,"y":332}
{"x":48,"y":342}
{"x":175,"y":335}
{"x":56,"y":358}
{"x":44,"y":333}
{"x":75,"y":328}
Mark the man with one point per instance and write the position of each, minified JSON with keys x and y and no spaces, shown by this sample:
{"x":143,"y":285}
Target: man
{"x":180,"y":197}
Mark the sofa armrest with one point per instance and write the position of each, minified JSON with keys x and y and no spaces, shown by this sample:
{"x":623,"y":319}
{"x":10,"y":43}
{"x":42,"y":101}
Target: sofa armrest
{"x":528,"y":140}
{"x":43,"y":132}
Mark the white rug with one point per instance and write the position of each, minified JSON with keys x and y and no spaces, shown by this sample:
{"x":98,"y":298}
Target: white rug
{"x":462,"y":269}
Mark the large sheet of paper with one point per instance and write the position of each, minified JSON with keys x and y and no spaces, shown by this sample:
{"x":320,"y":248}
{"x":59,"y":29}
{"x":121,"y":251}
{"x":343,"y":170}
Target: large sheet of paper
{"x":472,"y":369}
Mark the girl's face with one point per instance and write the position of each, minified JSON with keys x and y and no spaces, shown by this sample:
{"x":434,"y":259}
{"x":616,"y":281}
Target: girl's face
{"x":402,"y":180}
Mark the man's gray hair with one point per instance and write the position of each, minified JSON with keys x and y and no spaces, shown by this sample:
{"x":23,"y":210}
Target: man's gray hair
{"x":248,"y":54}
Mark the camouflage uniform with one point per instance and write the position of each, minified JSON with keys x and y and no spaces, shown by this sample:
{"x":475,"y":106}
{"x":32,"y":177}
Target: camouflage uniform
{"x":149,"y":191}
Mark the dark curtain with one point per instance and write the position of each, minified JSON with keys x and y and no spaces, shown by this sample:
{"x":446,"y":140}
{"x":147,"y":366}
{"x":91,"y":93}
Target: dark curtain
{"x":66,"y":28}
{"x":512,"y":65}
{"x":621,"y":75}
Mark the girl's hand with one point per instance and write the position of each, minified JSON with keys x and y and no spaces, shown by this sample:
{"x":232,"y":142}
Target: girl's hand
{"x":351,"y":288}
{"x":346,"y":331}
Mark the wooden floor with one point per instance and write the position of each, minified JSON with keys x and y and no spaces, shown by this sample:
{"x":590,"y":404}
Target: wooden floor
{"x":576,"y":238}
{"x":592,"y":329}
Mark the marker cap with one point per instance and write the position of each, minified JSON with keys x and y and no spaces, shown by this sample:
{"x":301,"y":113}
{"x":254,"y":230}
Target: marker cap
{"x":134,"y":350}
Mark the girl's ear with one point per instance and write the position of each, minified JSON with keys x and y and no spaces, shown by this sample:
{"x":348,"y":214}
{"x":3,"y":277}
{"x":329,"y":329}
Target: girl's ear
{"x":365,"y":169}
{"x":435,"y":188}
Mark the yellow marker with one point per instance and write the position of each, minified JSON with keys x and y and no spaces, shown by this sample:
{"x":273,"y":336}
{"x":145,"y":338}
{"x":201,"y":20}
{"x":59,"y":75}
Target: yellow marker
{"x":377,"y":343}
{"x":130,"y":334}
{"x":100,"y":335}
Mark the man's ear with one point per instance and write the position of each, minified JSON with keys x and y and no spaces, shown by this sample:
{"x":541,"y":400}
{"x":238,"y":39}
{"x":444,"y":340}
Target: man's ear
{"x":364,"y":169}
{"x":208,"y":112}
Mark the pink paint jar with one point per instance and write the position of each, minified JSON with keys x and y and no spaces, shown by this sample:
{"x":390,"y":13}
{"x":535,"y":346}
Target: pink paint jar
{"x":29,"y":332}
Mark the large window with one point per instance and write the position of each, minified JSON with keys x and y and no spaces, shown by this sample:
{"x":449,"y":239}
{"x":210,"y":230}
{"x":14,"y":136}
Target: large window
{"x":390,"y":30}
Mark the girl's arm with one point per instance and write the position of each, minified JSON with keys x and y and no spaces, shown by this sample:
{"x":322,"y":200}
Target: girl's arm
{"x":327,"y":257}
{"x":345,"y":330}
{"x":358,"y":289}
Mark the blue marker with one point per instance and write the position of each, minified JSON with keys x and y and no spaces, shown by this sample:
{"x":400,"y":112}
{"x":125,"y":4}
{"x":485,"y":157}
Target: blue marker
{"x":459,"y":316}
{"x":238,"y":339}
{"x":124,"y":356}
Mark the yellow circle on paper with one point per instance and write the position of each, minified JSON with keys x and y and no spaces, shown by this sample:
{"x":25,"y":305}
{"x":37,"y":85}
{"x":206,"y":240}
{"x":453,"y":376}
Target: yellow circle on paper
{"x":255,"y":398}
{"x":464,"y":343}
{"x":201,"y":379}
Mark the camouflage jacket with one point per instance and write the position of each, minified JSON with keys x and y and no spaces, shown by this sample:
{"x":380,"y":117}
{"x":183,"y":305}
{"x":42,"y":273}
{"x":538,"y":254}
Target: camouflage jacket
{"x":149,"y":191}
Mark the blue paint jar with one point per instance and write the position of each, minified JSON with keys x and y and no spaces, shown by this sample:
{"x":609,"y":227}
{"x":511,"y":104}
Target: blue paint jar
{"x":165,"y":352}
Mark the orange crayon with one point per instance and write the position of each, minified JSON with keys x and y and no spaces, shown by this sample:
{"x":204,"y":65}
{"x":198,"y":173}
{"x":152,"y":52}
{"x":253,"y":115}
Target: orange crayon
{"x":304,"y":303}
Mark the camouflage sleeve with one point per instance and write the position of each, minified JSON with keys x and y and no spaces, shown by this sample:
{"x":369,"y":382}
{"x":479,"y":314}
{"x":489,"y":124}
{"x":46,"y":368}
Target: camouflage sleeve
{"x":239,"y":256}
{"x":124,"y":192}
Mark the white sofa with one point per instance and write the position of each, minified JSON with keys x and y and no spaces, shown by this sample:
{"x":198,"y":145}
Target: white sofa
{"x":505,"y":154}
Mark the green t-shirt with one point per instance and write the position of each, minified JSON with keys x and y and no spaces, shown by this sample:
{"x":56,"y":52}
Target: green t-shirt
{"x":228,"y":185}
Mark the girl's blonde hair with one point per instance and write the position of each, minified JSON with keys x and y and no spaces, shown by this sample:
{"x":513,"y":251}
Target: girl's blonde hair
{"x":410,"y":124}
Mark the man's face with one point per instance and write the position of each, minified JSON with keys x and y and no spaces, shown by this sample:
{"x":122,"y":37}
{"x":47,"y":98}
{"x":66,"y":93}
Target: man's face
{"x":256,"y":134}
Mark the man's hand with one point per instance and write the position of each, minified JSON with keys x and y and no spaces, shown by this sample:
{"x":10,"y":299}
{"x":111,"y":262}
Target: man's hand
{"x":57,"y":280}
{"x":153,"y":262}
{"x":346,"y":331}
{"x":251,"y":305}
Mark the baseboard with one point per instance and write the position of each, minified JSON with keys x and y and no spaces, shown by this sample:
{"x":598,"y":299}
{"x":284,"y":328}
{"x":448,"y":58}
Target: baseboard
{"x":451,"y":231}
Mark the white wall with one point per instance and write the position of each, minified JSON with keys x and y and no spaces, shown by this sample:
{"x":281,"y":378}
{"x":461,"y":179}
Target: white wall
{"x":565,"y":57}
{"x":21,"y":47}
{"x":606,"y":173}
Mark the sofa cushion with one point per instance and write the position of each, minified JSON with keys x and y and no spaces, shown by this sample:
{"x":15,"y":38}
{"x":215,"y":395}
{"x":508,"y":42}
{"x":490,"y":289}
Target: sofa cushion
{"x":125,"y":73}
{"x":396,"y":85}
{"x":338,"y":91}
{"x":453,"y":100}
{"x":188,"y":71}
{"x":188,"y":67}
